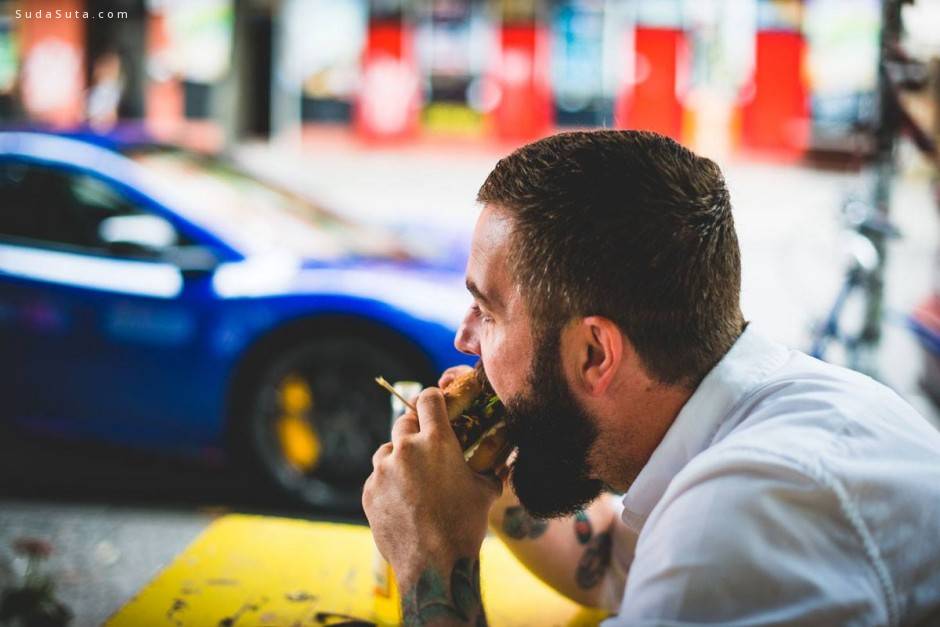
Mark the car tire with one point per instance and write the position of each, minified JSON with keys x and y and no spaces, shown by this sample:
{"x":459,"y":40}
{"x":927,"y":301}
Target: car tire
{"x":316,"y":416}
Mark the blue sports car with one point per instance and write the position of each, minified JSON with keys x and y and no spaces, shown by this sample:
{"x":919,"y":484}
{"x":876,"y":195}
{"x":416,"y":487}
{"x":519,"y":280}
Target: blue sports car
{"x":160,"y":299}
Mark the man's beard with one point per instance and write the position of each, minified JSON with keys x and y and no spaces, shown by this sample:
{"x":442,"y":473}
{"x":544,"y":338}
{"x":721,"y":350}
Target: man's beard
{"x":554,"y":436}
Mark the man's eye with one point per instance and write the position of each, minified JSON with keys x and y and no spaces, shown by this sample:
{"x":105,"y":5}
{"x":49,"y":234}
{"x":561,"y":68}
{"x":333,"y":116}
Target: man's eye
{"x":480,"y":314}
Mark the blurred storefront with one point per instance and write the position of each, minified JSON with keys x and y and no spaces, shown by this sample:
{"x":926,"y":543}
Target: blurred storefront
{"x":453,"y":40}
{"x":317,"y":49}
{"x":778,"y":77}
{"x":189,"y":57}
{"x":94,"y":63}
{"x":578,"y":64}
{"x":52,"y":65}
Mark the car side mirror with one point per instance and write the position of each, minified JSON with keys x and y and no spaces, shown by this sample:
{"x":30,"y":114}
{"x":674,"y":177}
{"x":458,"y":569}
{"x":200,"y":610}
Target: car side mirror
{"x":153,"y":237}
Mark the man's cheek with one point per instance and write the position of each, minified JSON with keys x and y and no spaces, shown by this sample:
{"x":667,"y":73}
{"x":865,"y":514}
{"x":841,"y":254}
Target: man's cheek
{"x":497,"y":383}
{"x":495,"y":373}
{"x":506,"y":375}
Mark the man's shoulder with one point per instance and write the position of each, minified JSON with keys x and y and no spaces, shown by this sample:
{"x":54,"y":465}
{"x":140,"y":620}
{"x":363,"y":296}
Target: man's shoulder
{"x":811,"y":410}
{"x":828,"y":424}
{"x":805,"y":382}
{"x":829,"y":435}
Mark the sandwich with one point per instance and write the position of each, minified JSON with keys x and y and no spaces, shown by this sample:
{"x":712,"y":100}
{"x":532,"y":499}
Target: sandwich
{"x":477,"y":417}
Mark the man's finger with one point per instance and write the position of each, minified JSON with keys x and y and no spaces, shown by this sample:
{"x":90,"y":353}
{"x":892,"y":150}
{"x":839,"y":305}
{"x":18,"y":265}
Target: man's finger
{"x":432,"y":412}
{"x":381,"y":453}
{"x":450,"y":374}
{"x":406,"y":424}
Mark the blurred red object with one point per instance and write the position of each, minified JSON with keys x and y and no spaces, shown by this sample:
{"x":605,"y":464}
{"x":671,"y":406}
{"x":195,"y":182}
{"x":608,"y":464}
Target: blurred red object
{"x":524,"y":108}
{"x":389,"y":101}
{"x":775,"y":117}
{"x":928,"y":314}
{"x":654,"y":101}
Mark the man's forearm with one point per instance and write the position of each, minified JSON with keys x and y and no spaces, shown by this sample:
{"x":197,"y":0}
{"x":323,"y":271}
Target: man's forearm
{"x":448,"y":596}
{"x":572,"y":554}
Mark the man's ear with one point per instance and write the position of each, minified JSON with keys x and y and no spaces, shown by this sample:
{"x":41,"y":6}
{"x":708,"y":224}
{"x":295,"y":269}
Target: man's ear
{"x":598,"y":348}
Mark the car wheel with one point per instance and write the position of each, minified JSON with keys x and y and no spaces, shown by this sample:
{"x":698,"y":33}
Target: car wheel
{"x":317,"y":417}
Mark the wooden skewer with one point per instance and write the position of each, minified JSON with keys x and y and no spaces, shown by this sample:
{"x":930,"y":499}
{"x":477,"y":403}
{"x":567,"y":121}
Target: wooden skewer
{"x":388,"y":386}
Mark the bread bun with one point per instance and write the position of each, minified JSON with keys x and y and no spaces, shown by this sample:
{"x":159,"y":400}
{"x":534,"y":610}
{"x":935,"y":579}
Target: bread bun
{"x":476,"y":415}
{"x":460,"y":393}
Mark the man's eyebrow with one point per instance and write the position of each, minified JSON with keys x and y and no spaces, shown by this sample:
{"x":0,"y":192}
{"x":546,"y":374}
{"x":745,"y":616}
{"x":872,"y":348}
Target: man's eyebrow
{"x":478,"y":294}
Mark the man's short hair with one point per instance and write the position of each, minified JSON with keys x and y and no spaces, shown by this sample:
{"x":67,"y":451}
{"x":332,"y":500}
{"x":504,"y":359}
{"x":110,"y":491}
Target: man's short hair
{"x":631,"y":226}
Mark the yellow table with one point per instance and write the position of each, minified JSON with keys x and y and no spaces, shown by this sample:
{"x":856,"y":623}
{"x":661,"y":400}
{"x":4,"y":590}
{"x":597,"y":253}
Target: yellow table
{"x":245,"y":571}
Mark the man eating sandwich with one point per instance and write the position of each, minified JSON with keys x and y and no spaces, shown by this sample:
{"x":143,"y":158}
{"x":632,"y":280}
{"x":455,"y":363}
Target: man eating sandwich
{"x":758,"y":485}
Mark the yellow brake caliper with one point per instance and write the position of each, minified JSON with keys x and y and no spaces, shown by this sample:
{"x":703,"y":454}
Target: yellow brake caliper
{"x":299,"y":440}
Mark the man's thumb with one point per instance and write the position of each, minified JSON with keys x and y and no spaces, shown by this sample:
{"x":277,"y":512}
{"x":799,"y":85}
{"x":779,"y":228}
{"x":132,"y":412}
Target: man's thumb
{"x":432,"y":412}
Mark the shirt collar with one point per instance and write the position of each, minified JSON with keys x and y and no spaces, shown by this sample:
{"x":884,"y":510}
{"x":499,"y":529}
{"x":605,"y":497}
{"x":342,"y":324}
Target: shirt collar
{"x":749,"y":361}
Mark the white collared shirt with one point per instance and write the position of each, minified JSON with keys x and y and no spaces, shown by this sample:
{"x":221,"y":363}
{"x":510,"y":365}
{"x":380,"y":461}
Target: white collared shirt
{"x":787,"y":491}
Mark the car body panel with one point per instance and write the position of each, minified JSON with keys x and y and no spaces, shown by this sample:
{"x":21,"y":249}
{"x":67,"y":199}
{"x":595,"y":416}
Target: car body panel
{"x":142,"y":354}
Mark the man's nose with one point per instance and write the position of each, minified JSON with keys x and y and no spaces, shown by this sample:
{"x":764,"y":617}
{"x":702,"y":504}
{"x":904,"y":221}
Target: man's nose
{"x":466,"y":338}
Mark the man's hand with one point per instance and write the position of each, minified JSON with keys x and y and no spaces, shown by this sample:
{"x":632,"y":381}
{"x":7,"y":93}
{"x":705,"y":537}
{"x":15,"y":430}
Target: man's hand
{"x":428,"y":513}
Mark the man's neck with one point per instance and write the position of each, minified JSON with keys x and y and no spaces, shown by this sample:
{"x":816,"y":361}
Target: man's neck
{"x":642,"y":415}
{"x":631,"y":437}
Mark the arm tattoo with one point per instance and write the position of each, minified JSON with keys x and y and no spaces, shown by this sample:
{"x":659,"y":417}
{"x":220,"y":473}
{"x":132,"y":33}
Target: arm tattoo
{"x":430,"y":598}
{"x":519,"y":525}
{"x":595,"y":561}
{"x":582,"y":527}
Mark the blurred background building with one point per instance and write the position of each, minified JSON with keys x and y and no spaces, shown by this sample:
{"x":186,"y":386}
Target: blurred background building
{"x":785,"y":77}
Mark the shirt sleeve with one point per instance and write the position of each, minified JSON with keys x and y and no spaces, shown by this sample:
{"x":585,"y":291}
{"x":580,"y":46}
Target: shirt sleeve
{"x":623,"y":545}
{"x":749,"y":538}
